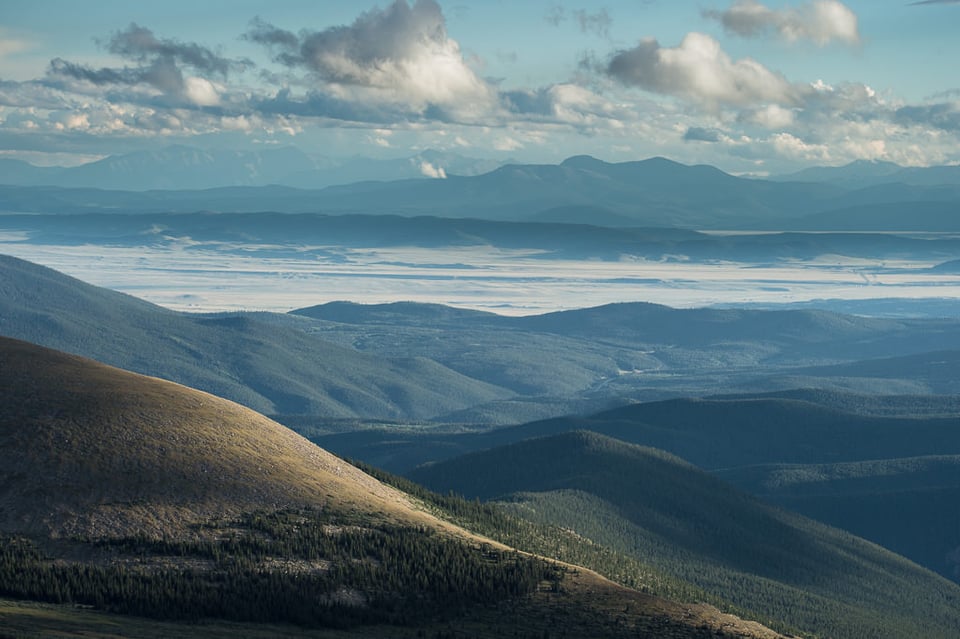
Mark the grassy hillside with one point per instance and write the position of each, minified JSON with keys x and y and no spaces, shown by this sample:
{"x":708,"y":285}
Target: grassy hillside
{"x":654,"y":507}
{"x":268,"y":367}
{"x":137,"y":496}
{"x":90,"y":449}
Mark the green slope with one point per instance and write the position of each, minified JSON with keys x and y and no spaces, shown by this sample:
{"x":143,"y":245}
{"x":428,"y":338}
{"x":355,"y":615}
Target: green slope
{"x":655,"y":507}
{"x":268,"y":367}
{"x":907,"y":505}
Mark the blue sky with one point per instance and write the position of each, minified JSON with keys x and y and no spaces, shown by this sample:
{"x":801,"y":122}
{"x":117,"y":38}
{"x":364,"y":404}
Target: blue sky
{"x":749,"y":86}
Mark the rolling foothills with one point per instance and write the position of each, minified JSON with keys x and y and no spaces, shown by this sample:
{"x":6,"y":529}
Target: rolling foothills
{"x":132,"y":500}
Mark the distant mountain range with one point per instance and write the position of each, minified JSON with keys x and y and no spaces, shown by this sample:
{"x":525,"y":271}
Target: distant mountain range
{"x":863,"y":173}
{"x":409,"y":361}
{"x":185,"y":168}
{"x":583,"y":190}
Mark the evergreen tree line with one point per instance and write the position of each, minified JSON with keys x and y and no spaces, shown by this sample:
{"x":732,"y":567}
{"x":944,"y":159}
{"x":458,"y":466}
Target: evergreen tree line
{"x":296,"y":567}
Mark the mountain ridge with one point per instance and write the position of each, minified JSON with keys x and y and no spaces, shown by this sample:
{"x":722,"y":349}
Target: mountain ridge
{"x":267,"y":367}
{"x":657,"y":507}
{"x":181,"y":166}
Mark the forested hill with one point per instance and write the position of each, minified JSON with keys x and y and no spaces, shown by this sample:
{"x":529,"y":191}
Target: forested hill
{"x":136,"y":496}
{"x":652,"y":506}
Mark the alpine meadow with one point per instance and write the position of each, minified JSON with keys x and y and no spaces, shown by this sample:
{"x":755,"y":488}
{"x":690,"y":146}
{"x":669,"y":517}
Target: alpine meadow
{"x":423,"y":319}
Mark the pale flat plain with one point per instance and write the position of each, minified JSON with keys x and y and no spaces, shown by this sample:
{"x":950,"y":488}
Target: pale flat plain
{"x":221,"y":276}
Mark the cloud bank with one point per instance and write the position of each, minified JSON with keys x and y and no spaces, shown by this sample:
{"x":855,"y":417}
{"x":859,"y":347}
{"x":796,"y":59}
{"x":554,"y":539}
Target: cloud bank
{"x":175,"y":70}
{"x":395,"y":74}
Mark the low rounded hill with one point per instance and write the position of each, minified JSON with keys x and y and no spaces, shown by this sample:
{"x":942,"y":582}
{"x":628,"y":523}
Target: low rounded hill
{"x":88,"y":448}
{"x":118,"y":468}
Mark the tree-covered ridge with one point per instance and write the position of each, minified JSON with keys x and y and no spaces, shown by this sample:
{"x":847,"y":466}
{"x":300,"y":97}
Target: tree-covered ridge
{"x":499,"y":521}
{"x":682,"y":522}
{"x":304,"y":567}
{"x":134,"y":495}
{"x":861,"y":497}
{"x":323,"y":571}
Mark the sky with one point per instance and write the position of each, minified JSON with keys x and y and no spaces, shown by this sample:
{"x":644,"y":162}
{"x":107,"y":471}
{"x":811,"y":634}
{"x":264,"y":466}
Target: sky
{"x":753,"y":87}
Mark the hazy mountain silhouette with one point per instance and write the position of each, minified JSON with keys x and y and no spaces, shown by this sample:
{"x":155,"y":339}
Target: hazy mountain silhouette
{"x":181,"y":167}
{"x":654,"y":192}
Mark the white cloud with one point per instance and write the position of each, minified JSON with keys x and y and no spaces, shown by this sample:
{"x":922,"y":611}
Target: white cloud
{"x":793,"y":147}
{"x":821,"y":21}
{"x":395,"y":75}
{"x":700,"y":70}
{"x":429,"y":170}
{"x":771,"y":116}
{"x":73,"y":121}
{"x":158,"y":70}
{"x":200,"y":92}
{"x":238,"y":123}
{"x":400,"y":57}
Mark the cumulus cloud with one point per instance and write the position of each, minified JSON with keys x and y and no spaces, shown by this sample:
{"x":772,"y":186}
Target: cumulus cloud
{"x":821,"y":21}
{"x":326,"y":105}
{"x":396,"y":68}
{"x":771,"y":116}
{"x":399,"y":56}
{"x":165,"y":65}
{"x":794,"y":147}
{"x":431,"y":171}
{"x":566,"y":104}
{"x":507,"y":143}
{"x":700,"y":70}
